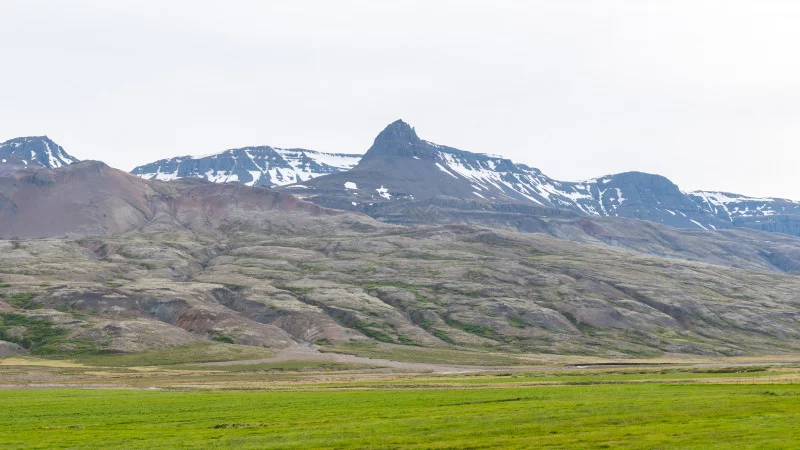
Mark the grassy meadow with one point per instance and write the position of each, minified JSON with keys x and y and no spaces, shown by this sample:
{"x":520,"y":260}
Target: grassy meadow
{"x":487,"y":411}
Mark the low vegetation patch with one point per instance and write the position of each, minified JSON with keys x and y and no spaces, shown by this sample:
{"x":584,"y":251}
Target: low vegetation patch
{"x":370,"y":330}
{"x":297,"y":291}
{"x":41,"y":336}
{"x":217,"y":336}
{"x":472,"y":328}
{"x":22,"y":300}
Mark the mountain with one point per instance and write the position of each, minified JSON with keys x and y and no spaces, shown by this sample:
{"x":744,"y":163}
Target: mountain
{"x":400,"y":168}
{"x":252,"y":166}
{"x":37,"y":151}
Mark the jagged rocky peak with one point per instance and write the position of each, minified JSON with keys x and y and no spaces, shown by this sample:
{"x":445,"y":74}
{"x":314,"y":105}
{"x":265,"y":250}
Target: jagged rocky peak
{"x":35,"y":150}
{"x":398,"y":139}
{"x":398,"y":131}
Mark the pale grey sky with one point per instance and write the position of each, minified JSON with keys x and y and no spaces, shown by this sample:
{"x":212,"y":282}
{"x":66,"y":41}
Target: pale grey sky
{"x":704,"y":92}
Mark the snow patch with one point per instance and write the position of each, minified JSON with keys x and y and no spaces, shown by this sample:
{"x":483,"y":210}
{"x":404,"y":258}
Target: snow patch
{"x":620,"y":198}
{"x":384,"y":192}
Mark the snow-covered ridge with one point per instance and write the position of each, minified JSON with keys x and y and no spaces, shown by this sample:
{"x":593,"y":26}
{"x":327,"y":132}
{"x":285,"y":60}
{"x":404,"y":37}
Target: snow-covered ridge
{"x":497,"y":178}
{"x":631,"y":194}
{"x":252,"y":166}
{"x":731,"y":206}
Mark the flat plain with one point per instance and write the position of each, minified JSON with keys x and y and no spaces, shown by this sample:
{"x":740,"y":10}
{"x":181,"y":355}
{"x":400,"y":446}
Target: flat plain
{"x":113,"y":403}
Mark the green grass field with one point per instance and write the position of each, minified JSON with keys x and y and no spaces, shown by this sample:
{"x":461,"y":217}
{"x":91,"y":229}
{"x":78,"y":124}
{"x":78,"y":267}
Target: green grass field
{"x":592,"y":416}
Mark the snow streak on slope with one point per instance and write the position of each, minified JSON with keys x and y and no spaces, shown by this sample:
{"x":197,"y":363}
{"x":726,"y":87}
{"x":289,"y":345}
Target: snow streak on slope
{"x":309,"y":164}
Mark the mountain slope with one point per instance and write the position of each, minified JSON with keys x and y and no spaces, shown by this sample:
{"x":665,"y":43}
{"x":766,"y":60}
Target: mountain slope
{"x":252,"y":166}
{"x":37,"y":151}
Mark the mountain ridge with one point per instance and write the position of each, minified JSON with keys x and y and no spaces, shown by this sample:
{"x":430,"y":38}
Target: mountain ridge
{"x":253,"y":166}
{"x":401,"y":167}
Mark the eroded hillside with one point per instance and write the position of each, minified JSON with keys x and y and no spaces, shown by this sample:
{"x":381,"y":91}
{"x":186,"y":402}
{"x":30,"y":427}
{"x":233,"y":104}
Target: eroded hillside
{"x":276,"y":279}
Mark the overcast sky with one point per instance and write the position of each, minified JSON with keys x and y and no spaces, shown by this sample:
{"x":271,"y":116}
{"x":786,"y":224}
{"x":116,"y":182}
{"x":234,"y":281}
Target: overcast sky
{"x":706,"y":93}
